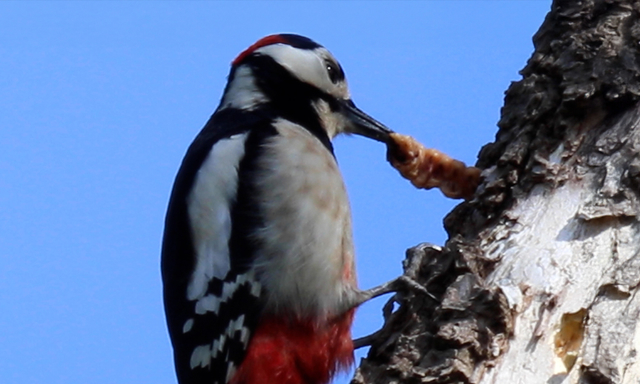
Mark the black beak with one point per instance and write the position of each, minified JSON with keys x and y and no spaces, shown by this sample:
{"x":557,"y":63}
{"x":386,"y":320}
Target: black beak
{"x":363,"y":124}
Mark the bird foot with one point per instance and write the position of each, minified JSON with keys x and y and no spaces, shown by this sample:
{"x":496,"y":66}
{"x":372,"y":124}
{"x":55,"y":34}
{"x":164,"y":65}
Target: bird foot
{"x":401,"y":283}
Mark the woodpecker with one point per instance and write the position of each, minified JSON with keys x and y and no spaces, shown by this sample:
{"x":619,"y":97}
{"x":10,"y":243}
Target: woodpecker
{"x":257,"y":255}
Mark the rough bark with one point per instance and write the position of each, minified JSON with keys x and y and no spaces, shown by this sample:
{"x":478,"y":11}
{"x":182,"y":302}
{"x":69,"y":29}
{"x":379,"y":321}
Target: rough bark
{"x":538,"y":282}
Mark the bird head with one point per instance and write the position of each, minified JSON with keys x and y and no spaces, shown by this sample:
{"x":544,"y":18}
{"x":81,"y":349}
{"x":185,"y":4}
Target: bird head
{"x":300,"y":80}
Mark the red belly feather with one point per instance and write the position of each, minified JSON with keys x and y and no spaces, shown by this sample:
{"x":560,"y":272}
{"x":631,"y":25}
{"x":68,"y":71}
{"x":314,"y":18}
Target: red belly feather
{"x":297,"y":352}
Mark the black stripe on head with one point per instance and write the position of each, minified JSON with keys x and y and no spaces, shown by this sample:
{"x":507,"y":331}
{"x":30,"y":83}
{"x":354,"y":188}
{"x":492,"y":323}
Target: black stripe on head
{"x":289,"y":98}
{"x":298,"y":41}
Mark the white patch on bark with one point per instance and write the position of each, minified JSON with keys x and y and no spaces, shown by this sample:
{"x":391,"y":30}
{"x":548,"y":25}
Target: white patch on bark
{"x":555,"y":261}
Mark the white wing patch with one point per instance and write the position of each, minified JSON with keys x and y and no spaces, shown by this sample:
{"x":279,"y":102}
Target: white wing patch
{"x":211,"y":303}
{"x":202,"y":354}
{"x":209,"y":205}
{"x":187,"y":326}
{"x":231,"y":370}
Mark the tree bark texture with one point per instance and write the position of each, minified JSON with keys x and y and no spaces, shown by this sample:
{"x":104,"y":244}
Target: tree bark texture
{"x":538,"y":282}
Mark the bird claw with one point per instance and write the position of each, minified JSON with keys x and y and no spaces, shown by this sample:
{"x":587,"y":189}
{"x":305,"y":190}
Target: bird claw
{"x":365,"y":341}
{"x":412,"y":285}
{"x":401,"y":283}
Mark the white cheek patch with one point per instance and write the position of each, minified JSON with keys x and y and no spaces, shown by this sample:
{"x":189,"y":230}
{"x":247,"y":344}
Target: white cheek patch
{"x":209,"y":209}
{"x":307,"y":65}
{"x":332,"y":122}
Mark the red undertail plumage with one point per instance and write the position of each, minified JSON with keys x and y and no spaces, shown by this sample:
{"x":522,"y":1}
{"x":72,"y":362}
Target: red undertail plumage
{"x":300,"y":352}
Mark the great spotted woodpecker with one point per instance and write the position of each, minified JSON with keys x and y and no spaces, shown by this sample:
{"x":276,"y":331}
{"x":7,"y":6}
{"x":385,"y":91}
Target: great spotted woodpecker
{"x":257,"y":256}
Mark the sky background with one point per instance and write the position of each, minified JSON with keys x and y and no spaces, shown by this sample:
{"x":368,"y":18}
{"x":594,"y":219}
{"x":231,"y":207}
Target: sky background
{"x":99,"y":101}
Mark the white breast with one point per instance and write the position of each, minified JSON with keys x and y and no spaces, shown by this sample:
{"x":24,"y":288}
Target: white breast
{"x":306,"y":261}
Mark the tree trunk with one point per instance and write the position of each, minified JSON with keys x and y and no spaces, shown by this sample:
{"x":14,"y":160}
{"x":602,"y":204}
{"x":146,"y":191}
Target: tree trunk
{"x":538,"y":281}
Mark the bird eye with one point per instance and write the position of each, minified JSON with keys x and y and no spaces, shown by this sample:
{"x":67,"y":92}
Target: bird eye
{"x":333,"y":72}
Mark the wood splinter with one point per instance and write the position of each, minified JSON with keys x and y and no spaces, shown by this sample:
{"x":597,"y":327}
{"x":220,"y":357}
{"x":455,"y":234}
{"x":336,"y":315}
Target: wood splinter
{"x":429,"y":168}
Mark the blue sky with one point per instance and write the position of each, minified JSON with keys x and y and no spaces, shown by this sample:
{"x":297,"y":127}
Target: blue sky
{"x":99,"y":101}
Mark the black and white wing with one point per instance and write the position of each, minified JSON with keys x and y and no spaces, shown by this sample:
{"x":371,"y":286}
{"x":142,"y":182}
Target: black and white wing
{"x":211,"y":296}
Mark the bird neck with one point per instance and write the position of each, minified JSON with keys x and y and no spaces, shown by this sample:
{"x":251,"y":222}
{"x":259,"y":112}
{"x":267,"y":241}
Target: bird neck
{"x":242,"y":91}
